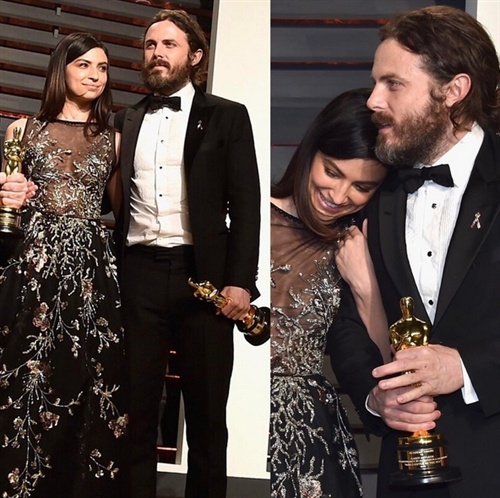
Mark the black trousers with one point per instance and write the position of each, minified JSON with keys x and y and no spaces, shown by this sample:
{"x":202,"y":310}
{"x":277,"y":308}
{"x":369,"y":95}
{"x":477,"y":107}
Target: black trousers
{"x":159,"y":309}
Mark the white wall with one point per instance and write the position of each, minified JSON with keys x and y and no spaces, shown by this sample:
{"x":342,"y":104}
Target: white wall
{"x":240,"y":71}
{"x":487,"y":12}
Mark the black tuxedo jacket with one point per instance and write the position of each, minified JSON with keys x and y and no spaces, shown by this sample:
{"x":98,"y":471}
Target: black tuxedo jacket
{"x":467,"y":318}
{"x":222,"y":179}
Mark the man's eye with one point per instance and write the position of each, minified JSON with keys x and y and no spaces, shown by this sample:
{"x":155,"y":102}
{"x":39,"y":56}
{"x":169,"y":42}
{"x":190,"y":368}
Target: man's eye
{"x":393,"y":83}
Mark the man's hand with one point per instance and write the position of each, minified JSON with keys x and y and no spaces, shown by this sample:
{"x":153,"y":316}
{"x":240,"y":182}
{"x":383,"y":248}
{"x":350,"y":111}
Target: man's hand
{"x":427,"y":370}
{"x":238,"y":302}
{"x":15,"y":190}
{"x":412,"y":416}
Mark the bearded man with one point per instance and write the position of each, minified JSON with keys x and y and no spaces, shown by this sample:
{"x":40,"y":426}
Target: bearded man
{"x":188,"y":165}
{"x":434,"y":235}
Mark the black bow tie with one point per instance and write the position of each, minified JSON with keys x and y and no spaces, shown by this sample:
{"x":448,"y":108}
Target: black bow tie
{"x":157,"y":102}
{"x":413,"y":179}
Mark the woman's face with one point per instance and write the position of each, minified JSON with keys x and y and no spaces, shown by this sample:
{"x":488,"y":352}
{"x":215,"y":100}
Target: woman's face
{"x":87,"y":75}
{"x":338,"y":187}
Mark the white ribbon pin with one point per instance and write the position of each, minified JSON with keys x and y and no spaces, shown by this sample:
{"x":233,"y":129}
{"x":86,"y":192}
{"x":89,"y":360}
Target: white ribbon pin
{"x":476,"y":223}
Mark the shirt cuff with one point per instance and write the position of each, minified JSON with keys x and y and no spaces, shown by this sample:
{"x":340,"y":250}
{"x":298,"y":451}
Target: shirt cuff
{"x":468,"y":392}
{"x":373,"y":412}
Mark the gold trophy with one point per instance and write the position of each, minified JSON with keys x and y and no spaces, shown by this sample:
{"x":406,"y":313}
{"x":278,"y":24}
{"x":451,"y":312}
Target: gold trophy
{"x":422,"y":457}
{"x":255,"y":324}
{"x":10,"y":218}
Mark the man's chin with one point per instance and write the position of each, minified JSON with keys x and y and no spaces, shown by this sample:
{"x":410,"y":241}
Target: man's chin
{"x":386,"y":137}
{"x":387,"y":153}
{"x":390,"y":142}
{"x":154,"y":83}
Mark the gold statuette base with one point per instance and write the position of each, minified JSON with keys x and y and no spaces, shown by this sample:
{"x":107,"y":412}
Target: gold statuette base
{"x":10,"y":222}
{"x":422,"y":459}
{"x":255,"y":325}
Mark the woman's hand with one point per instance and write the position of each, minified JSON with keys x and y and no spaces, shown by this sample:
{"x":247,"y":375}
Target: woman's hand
{"x":15,"y":190}
{"x":356,"y":268}
{"x":353,"y":258}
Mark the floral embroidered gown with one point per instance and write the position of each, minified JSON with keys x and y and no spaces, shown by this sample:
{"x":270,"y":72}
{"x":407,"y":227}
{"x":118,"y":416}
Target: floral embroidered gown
{"x":313,"y":453}
{"x":61,"y":345}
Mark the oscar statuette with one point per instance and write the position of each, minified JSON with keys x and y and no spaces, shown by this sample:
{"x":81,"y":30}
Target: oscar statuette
{"x":254,"y":325}
{"x":422,"y":457}
{"x":10,"y":218}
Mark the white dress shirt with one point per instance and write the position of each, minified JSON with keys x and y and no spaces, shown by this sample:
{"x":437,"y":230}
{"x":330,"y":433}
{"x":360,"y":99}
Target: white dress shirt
{"x":431,"y":216}
{"x":159,"y":213}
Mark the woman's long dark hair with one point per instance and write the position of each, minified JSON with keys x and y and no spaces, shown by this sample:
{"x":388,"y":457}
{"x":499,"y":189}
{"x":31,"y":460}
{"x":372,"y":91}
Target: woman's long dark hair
{"x":54,"y":93}
{"x":342,"y":130}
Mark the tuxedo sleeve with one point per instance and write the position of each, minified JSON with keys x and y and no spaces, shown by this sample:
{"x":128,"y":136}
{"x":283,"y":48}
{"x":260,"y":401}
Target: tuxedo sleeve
{"x":244,"y":204}
{"x":353,"y":356}
{"x":118,"y":125}
{"x":482,"y":362}
{"x":118,"y":120}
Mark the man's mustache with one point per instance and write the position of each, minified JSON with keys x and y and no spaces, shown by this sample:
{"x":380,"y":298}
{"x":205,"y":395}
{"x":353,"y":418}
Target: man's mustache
{"x":380,"y":119}
{"x":157,"y":62}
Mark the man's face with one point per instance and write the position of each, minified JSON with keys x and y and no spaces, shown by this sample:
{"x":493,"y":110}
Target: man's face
{"x":167,"y":58}
{"x":413,"y":127}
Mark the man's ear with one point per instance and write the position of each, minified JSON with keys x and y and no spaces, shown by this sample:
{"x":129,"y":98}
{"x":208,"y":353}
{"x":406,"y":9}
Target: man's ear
{"x":196,"y":57}
{"x":457,"y":89}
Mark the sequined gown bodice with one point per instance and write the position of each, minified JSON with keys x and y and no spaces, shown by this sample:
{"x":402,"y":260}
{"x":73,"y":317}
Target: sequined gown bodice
{"x":313,"y":454}
{"x":305,"y":297}
{"x":61,"y":340}
{"x":70,"y":178}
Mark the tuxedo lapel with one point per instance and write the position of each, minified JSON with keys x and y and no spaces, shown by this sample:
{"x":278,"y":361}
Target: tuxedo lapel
{"x":480,"y":202}
{"x":201,"y":112}
{"x":392,"y":216}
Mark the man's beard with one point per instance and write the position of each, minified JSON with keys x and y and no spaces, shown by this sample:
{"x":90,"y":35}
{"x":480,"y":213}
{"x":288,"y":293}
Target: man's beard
{"x":417,"y":139}
{"x":165,"y":85}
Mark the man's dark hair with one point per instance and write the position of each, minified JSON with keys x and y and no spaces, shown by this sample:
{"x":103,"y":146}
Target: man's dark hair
{"x":451,"y":42}
{"x":195,"y":36}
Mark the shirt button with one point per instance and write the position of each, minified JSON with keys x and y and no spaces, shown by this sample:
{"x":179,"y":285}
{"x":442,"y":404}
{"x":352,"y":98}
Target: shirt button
{"x":431,"y":302}
{"x":429,"y":254}
{"x":434,"y":205}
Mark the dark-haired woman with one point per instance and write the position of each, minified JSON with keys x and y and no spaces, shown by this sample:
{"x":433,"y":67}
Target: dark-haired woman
{"x":332,"y":175}
{"x":61,"y":344}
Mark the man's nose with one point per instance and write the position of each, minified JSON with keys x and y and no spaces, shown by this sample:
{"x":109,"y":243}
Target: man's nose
{"x":375,"y":101}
